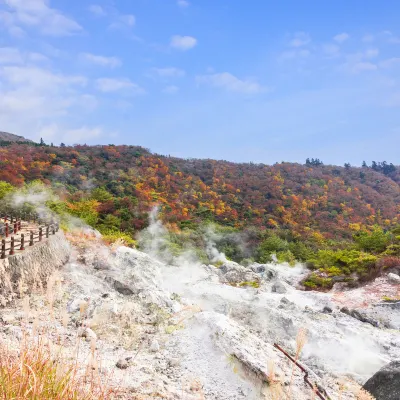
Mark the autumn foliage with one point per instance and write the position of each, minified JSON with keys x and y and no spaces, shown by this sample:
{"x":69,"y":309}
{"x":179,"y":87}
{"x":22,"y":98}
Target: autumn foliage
{"x":118,"y":185}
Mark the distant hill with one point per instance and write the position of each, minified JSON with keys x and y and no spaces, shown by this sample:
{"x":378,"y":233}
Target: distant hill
{"x":10,"y":137}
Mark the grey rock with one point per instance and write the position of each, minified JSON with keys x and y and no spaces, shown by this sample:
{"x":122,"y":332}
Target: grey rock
{"x":385,"y":384}
{"x":101,"y":265}
{"x":120,"y":287}
{"x":278,"y":287}
{"x":154,"y":346}
{"x":87,"y":333}
{"x":393,"y":278}
{"x":124,"y":363}
{"x":286,"y":304}
{"x":327,"y":310}
{"x":360,"y":315}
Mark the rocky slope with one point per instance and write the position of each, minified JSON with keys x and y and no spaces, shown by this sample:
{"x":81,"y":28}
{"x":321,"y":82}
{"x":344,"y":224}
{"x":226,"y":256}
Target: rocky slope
{"x":10,"y":137}
{"x":191,"y":331}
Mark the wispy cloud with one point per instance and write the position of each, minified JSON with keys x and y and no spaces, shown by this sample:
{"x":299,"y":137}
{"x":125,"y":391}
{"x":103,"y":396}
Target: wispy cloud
{"x":229,"y":82}
{"x":183,"y":42}
{"x":97,"y":10}
{"x":9,"y":55}
{"x":108,"y":85}
{"x":295,"y":54}
{"x":83,"y":134}
{"x":341,"y":37}
{"x":368,"y":38}
{"x":331,"y":49}
{"x":123,"y":21}
{"x":183,"y":3}
{"x":300,"y":39}
{"x":169,"y":72}
{"x":111,"y":62}
{"x":171,"y":89}
{"x":38,"y":15}
{"x":390,"y":63}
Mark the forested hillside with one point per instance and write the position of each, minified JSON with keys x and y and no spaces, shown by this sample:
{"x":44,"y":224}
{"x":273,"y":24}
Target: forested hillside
{"x":125,"y":182}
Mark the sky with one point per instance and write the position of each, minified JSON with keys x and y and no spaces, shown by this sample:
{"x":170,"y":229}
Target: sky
{"x":256,"y":80}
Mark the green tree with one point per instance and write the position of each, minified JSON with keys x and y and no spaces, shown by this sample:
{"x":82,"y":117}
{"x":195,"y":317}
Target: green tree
{"x":5,"y":188}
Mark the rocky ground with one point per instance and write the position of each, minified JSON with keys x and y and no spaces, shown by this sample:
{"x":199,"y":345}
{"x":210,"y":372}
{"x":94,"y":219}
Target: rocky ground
{"x":201,"y":332}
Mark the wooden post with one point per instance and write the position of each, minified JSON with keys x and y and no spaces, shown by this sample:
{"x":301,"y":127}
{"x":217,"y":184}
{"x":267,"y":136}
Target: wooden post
{"x":47,"y":231}
{"x":40,"y":234}
{"x":12,"y":246}
{"x":3,"y":249}
{"x":22,"y":242}
{"x":7,"y":230}
{"x":12,"y":219}
{"x":15,"y":227}
{"x":31,"y":239}
{"x":19,"y":224}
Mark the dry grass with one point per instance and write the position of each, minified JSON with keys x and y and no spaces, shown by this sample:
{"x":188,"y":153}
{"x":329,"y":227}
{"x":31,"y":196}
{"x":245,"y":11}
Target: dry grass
{"x":34,"y":372}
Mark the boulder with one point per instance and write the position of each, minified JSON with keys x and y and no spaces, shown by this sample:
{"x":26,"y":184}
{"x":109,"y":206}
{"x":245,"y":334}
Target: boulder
{"x":393,"y":278}
{"x":278,"y":287}
{"x":120,"y":287}
{"x":360,"y":315}
{"x":154,"y":346}
{"x":101,"y":265}
{"x":124,"y":363}
{"x":385,"y":384}
{"x":234,"y":273}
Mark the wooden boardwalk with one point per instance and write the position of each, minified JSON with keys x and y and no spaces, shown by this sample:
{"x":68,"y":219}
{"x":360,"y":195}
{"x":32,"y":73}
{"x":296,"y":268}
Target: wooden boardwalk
{"x":17,"y":235}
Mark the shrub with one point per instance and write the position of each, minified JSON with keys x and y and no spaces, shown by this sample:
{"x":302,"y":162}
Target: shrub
{"x":389,"y":262}
{"x":315,"y":281}
{"x":269,"y":246}
{"x":111,"y":236}
{"x":286,"y":256}
{"x":375,"y":241}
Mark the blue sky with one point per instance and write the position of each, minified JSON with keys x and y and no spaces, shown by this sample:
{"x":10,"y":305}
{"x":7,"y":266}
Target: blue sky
{"x":238,"y":80}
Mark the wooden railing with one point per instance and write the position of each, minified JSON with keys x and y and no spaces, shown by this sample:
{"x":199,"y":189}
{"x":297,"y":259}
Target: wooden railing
{"x":12,"y":242}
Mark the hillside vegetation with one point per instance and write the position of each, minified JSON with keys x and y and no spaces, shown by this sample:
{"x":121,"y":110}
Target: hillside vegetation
{"x":294,"y":210}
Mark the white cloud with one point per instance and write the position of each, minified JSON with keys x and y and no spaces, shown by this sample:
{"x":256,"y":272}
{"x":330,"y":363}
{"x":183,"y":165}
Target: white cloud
{"x":97,"y":10}
{"x":37,"y":57}
{"x":108,"y":85}
{"x":54,"y":132}
{"x":169,"y":72}
{"x":368,"y":38}
{"x":341,"y":37}
{"x":300,"y":39}
{"x":13,"y":56}
{"x":9,"y":55}
{"x":231,"y":83}
{"x":183,"y":42}
{"x":295,"y":54}
{"x":183,"y":3}
{"x":390,"y":63}
{"x":360,"y":62}
{"x":103,"y":61}
{"x":41,"y":95}
{"x":171,"y":89}
{"x":371,"y":53}
{"x":331,"y":49}
{"x":35,"y":77}
{"x":39,"y":15}
{"x":123,"y":21}
{"x":391,"y":37}
{"x":363,"y":66}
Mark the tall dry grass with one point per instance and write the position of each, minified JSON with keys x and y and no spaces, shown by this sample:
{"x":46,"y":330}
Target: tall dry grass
{"x":34,"y":372}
